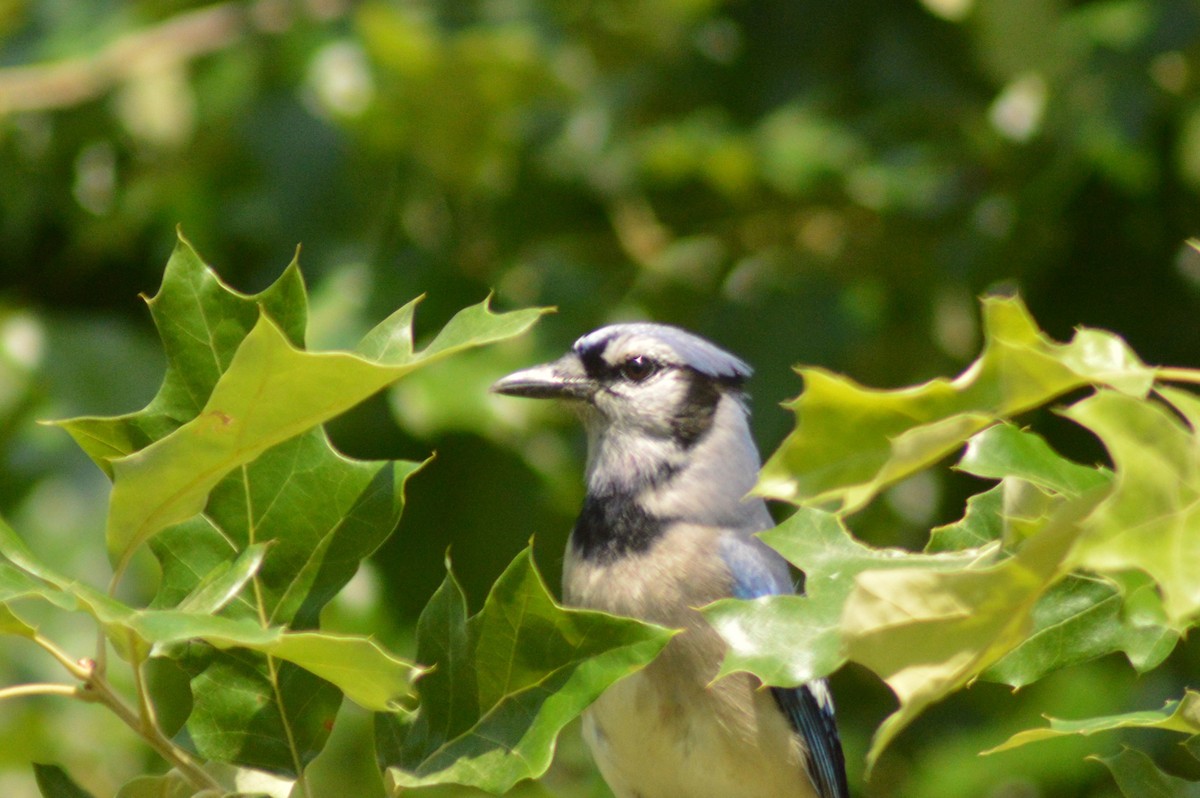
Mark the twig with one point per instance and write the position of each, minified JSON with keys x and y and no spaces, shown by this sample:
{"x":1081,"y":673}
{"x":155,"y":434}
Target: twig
{"x":35,"y":688}
{"x":1178,"y":375}
{"x":96,"y":688}
{"x":72,"y":82}
{"x":153,"y":736}
{"x":175,"y":41}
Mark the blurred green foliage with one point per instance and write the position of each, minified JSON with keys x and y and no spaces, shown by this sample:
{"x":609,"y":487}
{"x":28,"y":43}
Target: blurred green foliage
{"x":801,"y":180}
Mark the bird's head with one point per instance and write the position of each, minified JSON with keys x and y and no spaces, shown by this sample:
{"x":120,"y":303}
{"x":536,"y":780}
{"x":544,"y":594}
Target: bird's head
{"x":648,"y":393}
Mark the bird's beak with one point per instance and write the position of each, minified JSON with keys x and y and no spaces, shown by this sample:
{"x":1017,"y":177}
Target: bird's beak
{"x":562,"y":379}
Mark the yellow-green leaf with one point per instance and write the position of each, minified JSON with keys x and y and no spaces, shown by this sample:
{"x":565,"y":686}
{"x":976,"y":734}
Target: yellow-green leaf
{"x":1152,"y":520}
{"x":1178,"y":716}
{"x":850,"y":441}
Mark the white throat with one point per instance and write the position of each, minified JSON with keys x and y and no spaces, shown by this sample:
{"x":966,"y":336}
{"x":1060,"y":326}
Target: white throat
{"x":706,"y":483}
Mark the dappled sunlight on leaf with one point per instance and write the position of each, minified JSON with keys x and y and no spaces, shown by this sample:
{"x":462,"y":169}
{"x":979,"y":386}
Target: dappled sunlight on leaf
{"x":256,"y":520}
{"x":789,"y":640}
{"x":850,"y":442}
{"x":1152,"y":519}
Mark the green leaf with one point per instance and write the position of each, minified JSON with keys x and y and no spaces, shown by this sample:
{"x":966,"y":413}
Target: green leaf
{"x":270,"y":393}
{"x":790,"y":640}
{"x":238,"y":383}
{"x":224,"y":582}
{"x":981,"y":525}
{"x":1084,"y":617}
{"x":358,"y":666}
{"x":1034,"y":481}
{"x":256,"y":520}
{"x":850,"y":441}
{"x":1005,"y":451}
{"x":266,"y":699}
{"x":53,"y":782}
{"x":320,"y":515}
{"x":13,"y":549}
{"x":367,"y":674}
{"x":247,"y":718}
{"x":1152,"y":519}
{"x":1178,"y":716}
{"x":16,"y":583}
{"x":505,"y":681}
{"x":23,"y":576}
{"x":201,"y":321}
{"x":10,"y":624}
{"x":1138,"y":777}
{"x":927,"y":632}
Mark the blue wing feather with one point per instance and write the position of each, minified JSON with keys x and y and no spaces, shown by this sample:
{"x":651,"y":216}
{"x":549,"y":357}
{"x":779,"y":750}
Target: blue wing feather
{"x":815,"y":722}
{"x":807,"y":707}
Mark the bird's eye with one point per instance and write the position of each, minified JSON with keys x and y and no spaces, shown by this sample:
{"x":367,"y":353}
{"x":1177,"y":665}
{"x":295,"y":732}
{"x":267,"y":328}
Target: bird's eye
{"x":638,"y":368}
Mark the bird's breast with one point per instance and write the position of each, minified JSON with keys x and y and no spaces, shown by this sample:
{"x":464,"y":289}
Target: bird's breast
{"x":652,"y":739}
{"x":664,"y":581}
{"x":670,"y":731}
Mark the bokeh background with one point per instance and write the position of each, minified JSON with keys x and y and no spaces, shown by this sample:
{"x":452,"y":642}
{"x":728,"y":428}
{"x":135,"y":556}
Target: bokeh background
{"x":828,"y":182}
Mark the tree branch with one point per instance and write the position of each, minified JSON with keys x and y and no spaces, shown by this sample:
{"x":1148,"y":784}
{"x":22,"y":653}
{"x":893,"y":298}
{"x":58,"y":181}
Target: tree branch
{"x":175,"y":41}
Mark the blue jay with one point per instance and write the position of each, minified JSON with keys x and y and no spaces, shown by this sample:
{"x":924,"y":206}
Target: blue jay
{"x":665,"y":529}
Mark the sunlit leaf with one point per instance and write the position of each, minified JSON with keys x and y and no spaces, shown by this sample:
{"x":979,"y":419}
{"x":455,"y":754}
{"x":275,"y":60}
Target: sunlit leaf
{"x":928,"y":632}
{"x":1081,"y":617}
{"x":359,"y":667}
{"x":1178,"y":716}
{"x":224,"y":582}
{"x":255,"y":519}
{"x":238,"y":383}
{"x":272,"y":391}
{"x":1152,"y":519}
{"x":1005,"y":451}
{"x":850,"y":441}
{"x":200,"y":321}
{"x":789,"y":640}
{"x":505,"y":681}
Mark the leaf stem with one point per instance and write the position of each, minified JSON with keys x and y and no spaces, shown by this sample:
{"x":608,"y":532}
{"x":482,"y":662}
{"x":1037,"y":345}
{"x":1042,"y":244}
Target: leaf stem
{"x":153,"y":736}
{"x":1178,"y":375}
{"x":96,"y":688}
{"x":81,"y":670}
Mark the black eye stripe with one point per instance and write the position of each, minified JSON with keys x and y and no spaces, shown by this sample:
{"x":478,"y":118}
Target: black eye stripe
{"x":592,"y":358}
{"x":694,"y":416}
{"x":633,"y":368}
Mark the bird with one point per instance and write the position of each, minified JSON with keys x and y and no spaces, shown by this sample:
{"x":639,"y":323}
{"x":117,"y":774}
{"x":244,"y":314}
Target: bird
{"x":667,"y":527}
